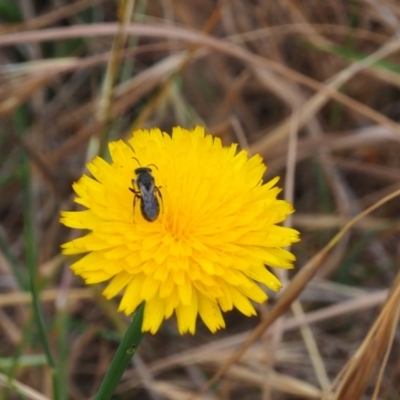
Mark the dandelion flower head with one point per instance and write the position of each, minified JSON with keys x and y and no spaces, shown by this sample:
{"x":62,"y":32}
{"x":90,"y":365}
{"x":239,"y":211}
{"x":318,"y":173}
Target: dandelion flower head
{"x":206,"y":252}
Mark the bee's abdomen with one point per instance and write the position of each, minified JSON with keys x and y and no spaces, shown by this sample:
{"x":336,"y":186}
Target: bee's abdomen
{"x":150,"y":209}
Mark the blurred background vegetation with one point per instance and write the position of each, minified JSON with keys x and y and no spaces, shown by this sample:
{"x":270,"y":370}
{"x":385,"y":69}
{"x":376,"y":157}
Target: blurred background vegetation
{"x":312,"y":86}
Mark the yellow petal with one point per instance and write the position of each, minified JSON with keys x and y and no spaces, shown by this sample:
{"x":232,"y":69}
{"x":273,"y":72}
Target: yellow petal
{"x":116,"y":285}
{"x":131,"y":299}
{"x":186,"y":316}
{"x":154,"y":312}
{"x":210,"y":313}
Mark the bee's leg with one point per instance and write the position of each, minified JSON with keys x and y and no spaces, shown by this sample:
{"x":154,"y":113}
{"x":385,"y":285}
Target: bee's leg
{"x":137,"y":192}
{"x":134,"y":203}
{"x":159,"y":193}
{"x":132,"y":189}
{"x":136,"y":195}
{"x":134,"y":206}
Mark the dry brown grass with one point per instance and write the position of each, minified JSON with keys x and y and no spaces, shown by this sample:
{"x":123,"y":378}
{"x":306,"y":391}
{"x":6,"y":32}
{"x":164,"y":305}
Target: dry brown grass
{"x":312,"y":86}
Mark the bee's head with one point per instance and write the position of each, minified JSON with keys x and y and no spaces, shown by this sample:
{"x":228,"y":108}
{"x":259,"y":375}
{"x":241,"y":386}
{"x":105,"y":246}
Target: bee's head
{"x":143,"y":170}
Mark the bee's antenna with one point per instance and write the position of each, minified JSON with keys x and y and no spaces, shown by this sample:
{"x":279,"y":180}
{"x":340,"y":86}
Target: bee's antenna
{"x":137,"y":161}
{"x":154,"y":165}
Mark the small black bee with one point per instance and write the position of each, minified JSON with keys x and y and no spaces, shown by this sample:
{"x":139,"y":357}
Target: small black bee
{"x":146,"y":193}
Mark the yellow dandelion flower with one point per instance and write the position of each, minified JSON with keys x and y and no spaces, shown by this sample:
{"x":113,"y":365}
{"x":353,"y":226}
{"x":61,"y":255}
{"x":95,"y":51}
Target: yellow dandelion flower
{"x":207,"y":249}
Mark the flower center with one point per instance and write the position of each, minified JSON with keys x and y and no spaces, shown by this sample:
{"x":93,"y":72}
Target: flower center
{"x":178,"y":224}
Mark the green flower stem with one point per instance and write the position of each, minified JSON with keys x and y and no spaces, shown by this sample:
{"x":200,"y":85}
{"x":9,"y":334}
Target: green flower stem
{"x":125,"y":351}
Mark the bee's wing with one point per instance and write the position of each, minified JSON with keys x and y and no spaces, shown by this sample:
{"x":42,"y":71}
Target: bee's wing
{"x":149,"y":203}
